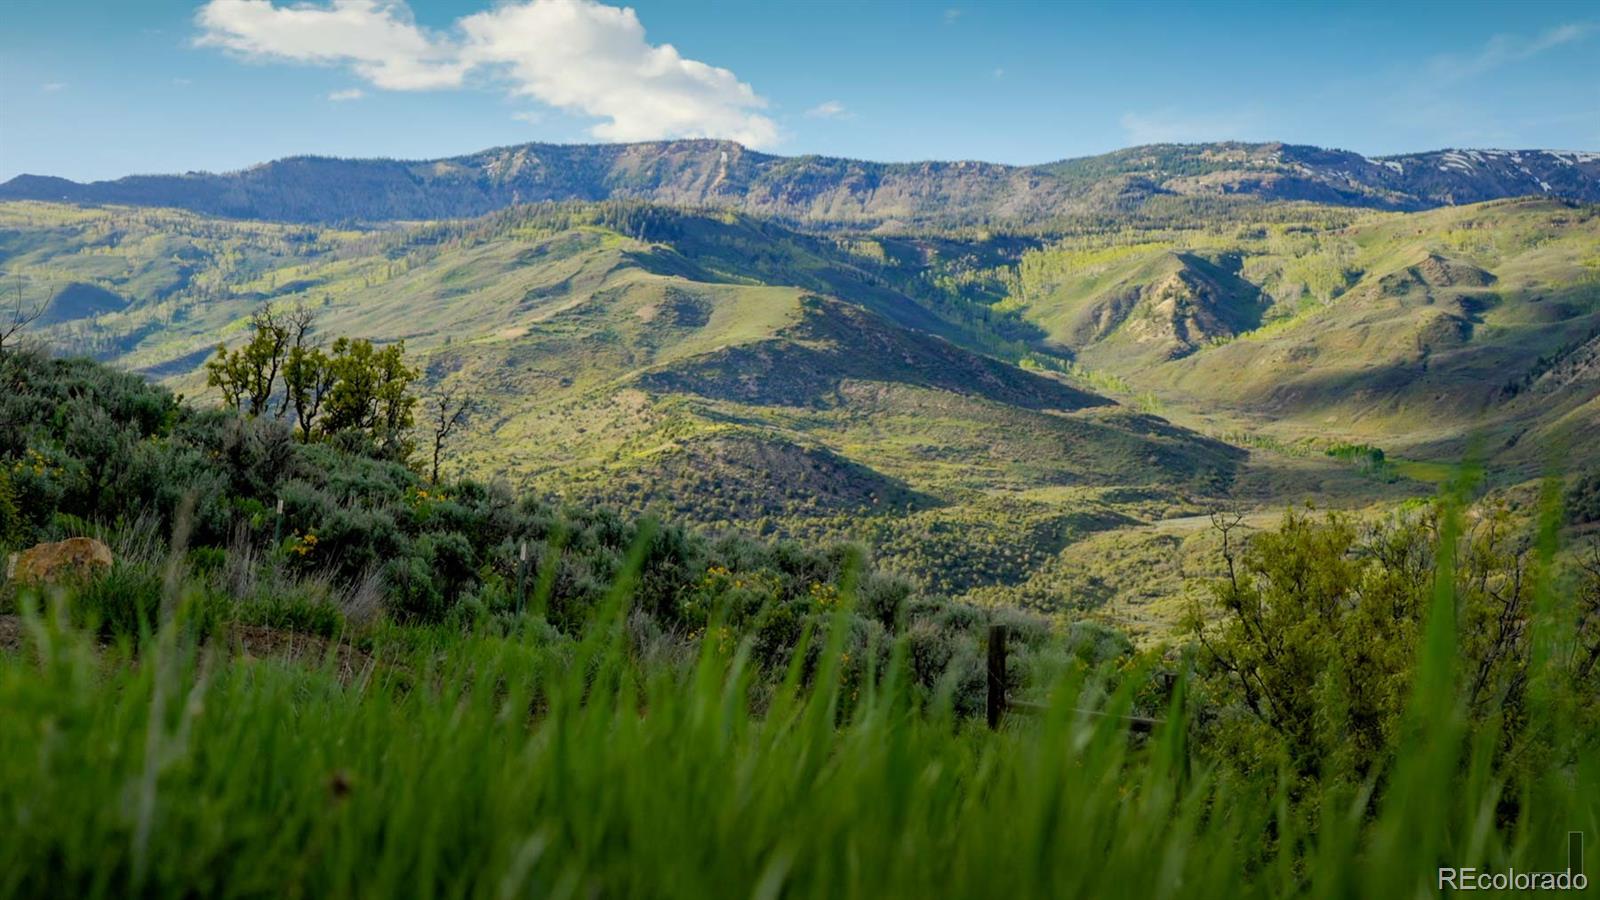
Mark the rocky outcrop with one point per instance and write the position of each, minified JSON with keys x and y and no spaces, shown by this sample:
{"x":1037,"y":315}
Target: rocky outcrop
{"x":74,"y":559}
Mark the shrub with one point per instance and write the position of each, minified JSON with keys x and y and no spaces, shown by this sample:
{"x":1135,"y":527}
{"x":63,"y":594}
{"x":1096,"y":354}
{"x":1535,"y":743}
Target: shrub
{"x":12,"y":528}
{"x":97,"y":446}
{"x":294,"y":612}
{"x":123,"y":601}
{"x":208,"y":561}
{"x":1583,"y":500}
{"x":414,"y":596}
{"x":1095,"y":643}
{"x":883,"y":598}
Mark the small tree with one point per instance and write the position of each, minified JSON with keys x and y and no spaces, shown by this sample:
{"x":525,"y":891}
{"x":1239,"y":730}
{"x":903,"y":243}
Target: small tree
{"x":447,"y":411}
{"x":1316,"y":627}
{"x":371,"y":393}
{"x":248,"y":376}
{"x":297,"y":325}
{"x":355,"y":388}
{"x":308,"y":378}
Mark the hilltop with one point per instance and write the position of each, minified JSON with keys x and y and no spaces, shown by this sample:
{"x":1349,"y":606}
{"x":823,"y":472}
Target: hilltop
{"x":826,"y":190}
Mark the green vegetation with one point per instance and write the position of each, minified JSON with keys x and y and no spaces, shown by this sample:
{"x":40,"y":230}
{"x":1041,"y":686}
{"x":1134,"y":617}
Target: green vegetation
{"x":1324,"y":619}
{"x":712,"y":367}
{"x":364,"y":538}
{"x":354,"y":391}
{"x":377,"y":696}
{"x":987,"y":408}
{"x":1419,"y":333}
{"x":616,"y":548}
{"x":595,"y":759}
{"x":1365,"y":457}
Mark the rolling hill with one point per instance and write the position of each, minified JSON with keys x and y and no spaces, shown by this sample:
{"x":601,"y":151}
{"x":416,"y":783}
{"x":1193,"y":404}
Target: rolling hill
{"x":1421,"y":333}
{"x":720,"y":367}
{"x":827,"y":190}
{"x":990,"y":410}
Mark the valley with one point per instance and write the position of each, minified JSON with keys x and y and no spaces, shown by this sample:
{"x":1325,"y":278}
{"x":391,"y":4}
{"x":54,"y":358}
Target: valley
{"x":1005,"y":416}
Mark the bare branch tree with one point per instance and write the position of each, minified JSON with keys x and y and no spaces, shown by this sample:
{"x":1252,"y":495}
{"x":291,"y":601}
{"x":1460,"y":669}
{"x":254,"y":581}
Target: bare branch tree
{"x":297,"y":325}
{"x":448,"y":410}
{"x":1225,"y":521}
{"x":17,"y":316}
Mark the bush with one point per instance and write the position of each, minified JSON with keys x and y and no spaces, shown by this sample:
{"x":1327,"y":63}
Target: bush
{"x":12,"y":528}
{"x":1321,"y":624}
{"x":883,"y":598}
{"x":413,"y":594}
{"x":124,"y":601}
{"x":1094,"y":643}
{"x":92,"y":446}
{"x":294,"y":613}
{"x":1583,"y":500}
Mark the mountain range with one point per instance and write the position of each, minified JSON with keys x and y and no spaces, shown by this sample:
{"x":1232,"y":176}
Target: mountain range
{"x":825,"y":190}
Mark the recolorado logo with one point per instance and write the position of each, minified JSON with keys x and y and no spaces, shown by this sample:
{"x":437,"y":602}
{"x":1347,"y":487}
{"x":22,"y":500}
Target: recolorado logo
{"x":1469,"y":878}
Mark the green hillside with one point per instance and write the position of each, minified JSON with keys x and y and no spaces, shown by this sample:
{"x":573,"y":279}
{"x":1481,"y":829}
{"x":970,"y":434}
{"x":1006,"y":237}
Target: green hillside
{"x":720,"y":368}
{"x":1095,"y":446}
{"x":982,"y":409}
{"x":1418,"y":333}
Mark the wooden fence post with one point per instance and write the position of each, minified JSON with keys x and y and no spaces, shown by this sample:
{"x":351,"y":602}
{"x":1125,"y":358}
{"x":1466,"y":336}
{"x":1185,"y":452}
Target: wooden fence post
{"x":997,"y":674}
{"x":522,"y":578}
{"x":999,"y":705}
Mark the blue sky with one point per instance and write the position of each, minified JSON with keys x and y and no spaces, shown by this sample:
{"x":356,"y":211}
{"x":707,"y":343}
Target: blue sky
{"x":102,"y":89}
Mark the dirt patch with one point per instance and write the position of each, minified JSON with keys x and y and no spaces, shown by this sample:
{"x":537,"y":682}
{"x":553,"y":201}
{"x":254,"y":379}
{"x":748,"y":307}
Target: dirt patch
{"x":10,"y":633}
{"x":260,"y":642}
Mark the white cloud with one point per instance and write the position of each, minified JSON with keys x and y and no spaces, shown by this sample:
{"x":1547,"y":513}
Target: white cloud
{"x":829,"y":109}
{"x":585,"y":57}
{"x":377,"y":38}
{"x":1504,"y":49}
{"x":1170,"y":126}
{"x":528,"y":116}
{"x":50,"y":87}
{"x":576,"y":55}
{"x":347,"y":94}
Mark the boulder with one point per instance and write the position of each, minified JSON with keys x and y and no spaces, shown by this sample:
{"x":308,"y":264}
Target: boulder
{"x":74,"y":559}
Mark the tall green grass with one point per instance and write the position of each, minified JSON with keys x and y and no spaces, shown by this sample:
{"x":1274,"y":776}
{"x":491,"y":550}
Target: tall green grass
{"x":484,"y":766}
